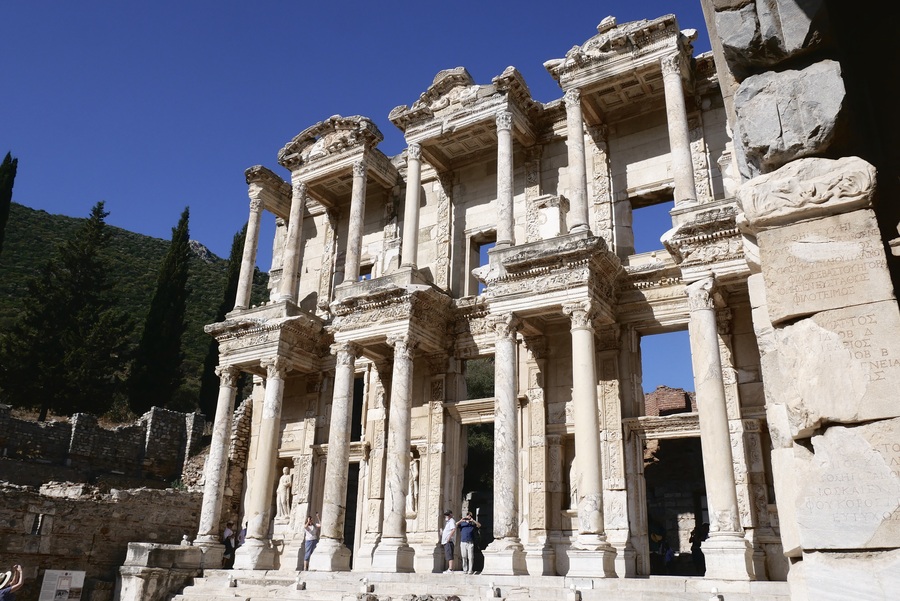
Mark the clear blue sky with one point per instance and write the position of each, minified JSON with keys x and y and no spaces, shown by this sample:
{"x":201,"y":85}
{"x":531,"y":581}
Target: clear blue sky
{"x":154,"y":106}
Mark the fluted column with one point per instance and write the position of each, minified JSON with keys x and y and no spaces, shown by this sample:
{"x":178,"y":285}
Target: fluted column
{"x":578,"y":206}
{"x":248,"y":260}
{"x":679,"y":136}
{"x":411,"y":210}
{"x":257,"y":552}
{"x":591,"y":554}
{"x":506,"y":221}
{"x":355,"y":227}
{"x":505,"y":555}
{"x":331,"y":555}
{"x":728,"y":555}
{"x":393,"y":554}
{"x":215,"y":470}
{"x":290,"y":262}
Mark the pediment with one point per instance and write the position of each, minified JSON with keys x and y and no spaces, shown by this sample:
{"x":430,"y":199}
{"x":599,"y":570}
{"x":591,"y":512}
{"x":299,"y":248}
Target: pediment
{"x":334,"y":135}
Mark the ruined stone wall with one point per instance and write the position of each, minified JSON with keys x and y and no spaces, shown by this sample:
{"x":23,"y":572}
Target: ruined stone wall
{"x":76,"y":527}
{"x":666,"y":401}
{"x":154,"y":447}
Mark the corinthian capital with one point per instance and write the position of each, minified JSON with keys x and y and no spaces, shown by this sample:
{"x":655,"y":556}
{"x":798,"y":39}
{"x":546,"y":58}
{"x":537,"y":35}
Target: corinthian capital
{"x":572,"y":98}
{"x":504,"y":120}
{"x":671,"y":64}
{"x":581,"y":314}
{"x":505,"y":326}
{"x":414,"y":151}
{"x":276,"y":367}
{"x":228,"y":375}
{"x":299,"y":190}
{"x":700,"y":294}
{"x":403,"y":344}
{"x":256,"y":204}
{"x":359,"y":169}
{"x":346,"y":352}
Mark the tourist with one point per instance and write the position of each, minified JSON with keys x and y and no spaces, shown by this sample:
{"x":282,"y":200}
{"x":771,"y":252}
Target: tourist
{"x":229,"y":540}
{"x":698,"y":535}
{"x":467,"y":527}
{"x":10,"y":582}
{"x":447,"y":535}
{"x":312,"y":539}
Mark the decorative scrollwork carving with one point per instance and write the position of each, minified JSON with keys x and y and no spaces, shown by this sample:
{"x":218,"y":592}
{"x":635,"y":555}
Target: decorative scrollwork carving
{"x":404,"y":345}
{"x":505,"y":326}
{"x":360,"y":168}
{"x":504,"y":120}
{"x":228,"y":375}
{"x":414,"y":151}
{"x":581,"y":314}
{"x":256,"y":205}
{"x":276,"y":367}
{"x":345,"y":352}
{"x":700,"y":294}
{"x":572,"y":98}
{"x":671,"y":64}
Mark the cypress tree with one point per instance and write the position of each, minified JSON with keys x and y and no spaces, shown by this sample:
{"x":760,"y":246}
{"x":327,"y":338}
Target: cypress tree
{"x":156,"y":373}
{"x":7,"y":178}
{"x":209,"y":382}
{"x":68,"y":350}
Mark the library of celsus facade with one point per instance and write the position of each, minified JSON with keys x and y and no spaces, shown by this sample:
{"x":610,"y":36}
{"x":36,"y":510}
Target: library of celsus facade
{"x":502,"y":238}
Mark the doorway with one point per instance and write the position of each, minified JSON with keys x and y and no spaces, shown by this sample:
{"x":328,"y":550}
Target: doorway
{"x":478,"y":485}
{"x":350,"y":514}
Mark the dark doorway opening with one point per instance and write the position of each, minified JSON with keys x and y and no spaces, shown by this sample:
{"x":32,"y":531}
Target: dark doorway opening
{"x":350,"y":515}
{"x":478,"y":485}
{"x":359,"y":387}
{"x":676,"y":502}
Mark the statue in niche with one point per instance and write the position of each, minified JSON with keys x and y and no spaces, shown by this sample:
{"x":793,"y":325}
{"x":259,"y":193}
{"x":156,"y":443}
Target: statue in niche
{"x":283,"y":495}
{"x":573,"y":485}
{"x":412,"y":494}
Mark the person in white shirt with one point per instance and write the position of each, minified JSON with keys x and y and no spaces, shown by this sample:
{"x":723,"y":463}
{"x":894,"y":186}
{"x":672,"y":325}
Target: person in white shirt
{"x":447,"y":535}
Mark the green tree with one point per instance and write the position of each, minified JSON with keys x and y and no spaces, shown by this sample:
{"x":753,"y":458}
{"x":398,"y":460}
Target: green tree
{"x":209,"y":383}
{"x":156,"y":373}
{"x":7,"y":178}
{"x":68,"y":350}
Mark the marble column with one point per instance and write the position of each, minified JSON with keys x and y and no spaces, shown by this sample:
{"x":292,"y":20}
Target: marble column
{"x":291,"y":258}
{"x":591,"y":555}
{"x":216,"y":469}
{"x":728,"y":554}
{"x":505,"y":555}
{"x":393,"y":553}
{"x":331,"y":554}
{"x":411,"y":210}
{"x":355,"y":227}
{"x":679,"y":136}
{"x":578,"y":220}
{"x":248,"y":260}
{"x":505,"y":219}
{"x":257,"y":552}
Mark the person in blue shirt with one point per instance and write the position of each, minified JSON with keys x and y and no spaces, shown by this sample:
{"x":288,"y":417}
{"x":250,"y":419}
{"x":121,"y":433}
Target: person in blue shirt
{"x":466,"y":527}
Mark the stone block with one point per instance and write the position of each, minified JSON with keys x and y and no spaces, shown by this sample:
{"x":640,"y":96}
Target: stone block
{"x":848,"y":488}
{"x":779,"y":426}
{"x":788,"y":115}
{"x":837,"y":366}
{"x":784,"y":482}
{"x":842,"y":576}
{"x":824,"y":264}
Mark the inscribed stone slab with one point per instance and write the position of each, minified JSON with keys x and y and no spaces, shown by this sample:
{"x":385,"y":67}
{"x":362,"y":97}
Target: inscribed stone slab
{"x":823,"y":264}
{"x":837,"y":366}
{"x":843,"y":576}
{"x":848,"y":488}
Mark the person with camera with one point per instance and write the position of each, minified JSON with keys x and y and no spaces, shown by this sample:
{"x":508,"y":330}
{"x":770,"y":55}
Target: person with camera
{"x":467,"y":530}
{"x":312,"y":528}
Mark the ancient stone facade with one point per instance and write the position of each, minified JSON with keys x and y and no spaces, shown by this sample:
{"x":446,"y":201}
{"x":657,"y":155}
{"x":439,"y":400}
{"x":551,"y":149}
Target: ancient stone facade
{"x":775,"y":264}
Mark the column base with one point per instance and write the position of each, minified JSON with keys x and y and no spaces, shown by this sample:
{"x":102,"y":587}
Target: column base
{"x":211,"y":554}
{"x":292,"y":557}
{"x":330,"y":556}
{"x":626,"y":564}
{"x":429,"y":559}
{"x":393,"y":555}
{"x":728,"y":557}
{"x":505,"y":557}
{"x":540,"y":560}
{"x":255,"y":554}
{"x":362,"y":560}
{"x":591,"y":557}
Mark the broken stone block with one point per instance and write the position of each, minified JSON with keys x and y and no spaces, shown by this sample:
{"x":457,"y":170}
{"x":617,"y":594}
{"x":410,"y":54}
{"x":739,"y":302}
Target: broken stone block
{"x":788,"y":115}
{"x":848,"y":488}
{"x":784,"y":481}
{"x":843,"y":576}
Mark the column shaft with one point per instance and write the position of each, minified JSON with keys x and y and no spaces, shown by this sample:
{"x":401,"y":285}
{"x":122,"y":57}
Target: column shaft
{"x":355,"y":227}
{"x":331,"y":554}
{"x":248,"y":260}
{"x":215,"y":470}
{"x":290,"y":263}
{"x":506,"y":221}
{"x":679,"y":136}
{"x":578,"y":220}
{"x":411,"y":210}
{"x":506,"y":436}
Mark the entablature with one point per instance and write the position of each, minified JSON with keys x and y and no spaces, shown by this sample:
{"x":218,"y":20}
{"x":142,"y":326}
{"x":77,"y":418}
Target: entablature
{"x":266,"y":187}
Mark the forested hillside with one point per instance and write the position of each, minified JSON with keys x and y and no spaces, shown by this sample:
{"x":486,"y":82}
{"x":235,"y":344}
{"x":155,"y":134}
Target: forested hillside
{"x":33,"y":235}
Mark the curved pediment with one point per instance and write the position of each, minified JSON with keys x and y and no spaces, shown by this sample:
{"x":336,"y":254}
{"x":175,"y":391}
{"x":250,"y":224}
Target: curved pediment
{"x":334,"y":135}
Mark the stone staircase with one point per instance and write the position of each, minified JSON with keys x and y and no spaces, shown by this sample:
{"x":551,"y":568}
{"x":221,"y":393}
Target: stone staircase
{"x":250,"y":585}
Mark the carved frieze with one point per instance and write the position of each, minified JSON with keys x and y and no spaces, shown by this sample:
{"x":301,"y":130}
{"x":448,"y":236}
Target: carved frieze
{"x":334,"y":135}
{"x":712,"y":236}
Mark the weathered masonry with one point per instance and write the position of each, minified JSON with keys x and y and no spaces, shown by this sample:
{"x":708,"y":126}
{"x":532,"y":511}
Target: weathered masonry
{"x":504,"y":231}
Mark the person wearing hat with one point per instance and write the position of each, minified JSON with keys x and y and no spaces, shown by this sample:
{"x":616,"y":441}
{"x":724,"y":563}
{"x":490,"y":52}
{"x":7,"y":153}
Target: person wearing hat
{"x":10,"y":582}
{"x":447,"y":535}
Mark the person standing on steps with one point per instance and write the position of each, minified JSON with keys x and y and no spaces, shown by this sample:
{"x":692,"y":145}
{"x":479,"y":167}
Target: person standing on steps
{"x":312,"y":539}
{"x":467,"y":526}
{"x":447,"y":535}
